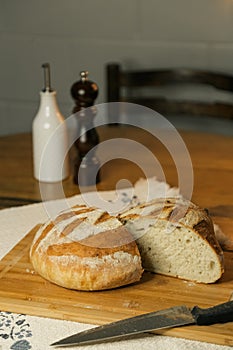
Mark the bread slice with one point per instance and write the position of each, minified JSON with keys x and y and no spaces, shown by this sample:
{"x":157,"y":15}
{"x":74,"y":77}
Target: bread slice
{"x":176,"y":238}
{"x":86,"y":249}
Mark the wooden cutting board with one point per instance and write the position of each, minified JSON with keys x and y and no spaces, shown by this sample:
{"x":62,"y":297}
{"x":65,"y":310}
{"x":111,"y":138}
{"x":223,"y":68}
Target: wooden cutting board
{"x":23,"y":291}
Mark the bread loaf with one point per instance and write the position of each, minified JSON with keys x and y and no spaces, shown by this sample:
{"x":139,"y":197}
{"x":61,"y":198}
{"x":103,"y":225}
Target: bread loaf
{"x":86,"y":249}
{"x":176,"y":238}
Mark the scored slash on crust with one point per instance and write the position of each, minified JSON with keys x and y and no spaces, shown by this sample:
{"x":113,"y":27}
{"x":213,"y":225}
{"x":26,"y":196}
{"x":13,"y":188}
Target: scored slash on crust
{"x":88,"y":249}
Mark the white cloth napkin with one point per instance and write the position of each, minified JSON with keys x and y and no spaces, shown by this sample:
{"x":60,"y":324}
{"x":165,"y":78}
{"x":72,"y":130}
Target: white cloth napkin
{"x":24,"y":332}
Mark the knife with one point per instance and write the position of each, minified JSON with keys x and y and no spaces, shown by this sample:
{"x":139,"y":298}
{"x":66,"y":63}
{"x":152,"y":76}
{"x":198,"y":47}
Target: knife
{"x":168,"y":318}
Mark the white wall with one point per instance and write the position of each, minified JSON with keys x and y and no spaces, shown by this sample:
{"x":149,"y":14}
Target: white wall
{"x":74,"y":35}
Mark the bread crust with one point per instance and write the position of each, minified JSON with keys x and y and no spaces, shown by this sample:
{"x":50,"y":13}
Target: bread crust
{"x":87,"y":249}
{"x":178,"y":211}
{"x":86,"y":263}
{"x":175,"y":213}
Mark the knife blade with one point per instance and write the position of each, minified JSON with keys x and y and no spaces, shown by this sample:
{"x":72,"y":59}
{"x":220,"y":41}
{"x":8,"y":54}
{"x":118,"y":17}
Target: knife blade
{"x":168,"y":318}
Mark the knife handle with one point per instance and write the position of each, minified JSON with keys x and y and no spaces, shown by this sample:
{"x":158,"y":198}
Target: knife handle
{"x":217,"y":314}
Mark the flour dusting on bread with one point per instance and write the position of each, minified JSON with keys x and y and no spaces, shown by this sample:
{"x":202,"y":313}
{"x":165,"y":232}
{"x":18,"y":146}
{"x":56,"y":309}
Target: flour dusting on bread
{"x":176,"y":238}
{"x":85,"y":248}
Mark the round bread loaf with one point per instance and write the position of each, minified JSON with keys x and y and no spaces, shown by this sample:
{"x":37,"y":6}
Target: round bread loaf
{"x":86,"y":249}
{"x":176,"y":238}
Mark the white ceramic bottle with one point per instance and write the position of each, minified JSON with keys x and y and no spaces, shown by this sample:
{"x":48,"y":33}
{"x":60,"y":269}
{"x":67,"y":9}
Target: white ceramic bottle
{"x":49,"y":136}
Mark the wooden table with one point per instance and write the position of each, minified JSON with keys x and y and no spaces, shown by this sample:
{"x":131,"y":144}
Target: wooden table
{"x":213,"y":178}
{"x":211,"y":155}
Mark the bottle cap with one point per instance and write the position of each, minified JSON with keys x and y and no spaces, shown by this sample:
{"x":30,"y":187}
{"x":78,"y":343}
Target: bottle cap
{"x":47,"y":80}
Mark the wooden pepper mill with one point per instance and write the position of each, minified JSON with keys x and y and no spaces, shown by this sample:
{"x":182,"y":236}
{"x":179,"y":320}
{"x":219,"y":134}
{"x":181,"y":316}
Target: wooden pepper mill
{"x":86,"y":165}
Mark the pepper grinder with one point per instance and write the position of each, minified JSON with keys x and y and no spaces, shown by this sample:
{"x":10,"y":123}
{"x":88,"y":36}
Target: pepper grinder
{"x":49,"y":136}
{"x":86,"y":165}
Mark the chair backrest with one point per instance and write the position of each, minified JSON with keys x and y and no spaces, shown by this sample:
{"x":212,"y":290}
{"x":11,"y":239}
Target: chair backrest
{"x":127,"y":86}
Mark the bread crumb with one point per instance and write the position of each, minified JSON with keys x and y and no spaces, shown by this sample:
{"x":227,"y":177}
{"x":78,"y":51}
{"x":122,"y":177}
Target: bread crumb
{"x":130,"y":304}
{"x":190,"y":284}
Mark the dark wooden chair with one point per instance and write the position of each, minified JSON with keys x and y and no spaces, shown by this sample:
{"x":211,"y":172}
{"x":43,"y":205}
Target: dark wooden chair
{"x":126,"y":86}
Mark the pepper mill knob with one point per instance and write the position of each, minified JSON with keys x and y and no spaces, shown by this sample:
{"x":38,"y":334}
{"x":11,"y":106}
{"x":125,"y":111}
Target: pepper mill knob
{"x":86,"y":166}
{"x":84,"y":92}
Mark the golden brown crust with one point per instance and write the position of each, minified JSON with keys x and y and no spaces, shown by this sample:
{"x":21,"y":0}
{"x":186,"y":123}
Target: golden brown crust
{"x":180,"y":213}
{"x":108,"y":258}
{"x":87,"y":249}
{"x":95,"y":246}
{"x":43,"y":235}
{"x":105,"y":216}
{"x":70,"y":227}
